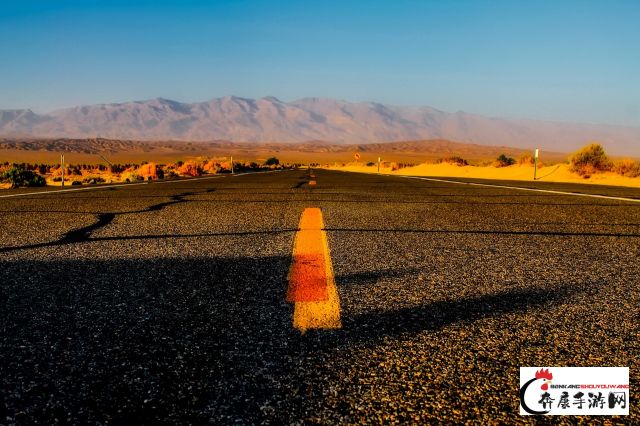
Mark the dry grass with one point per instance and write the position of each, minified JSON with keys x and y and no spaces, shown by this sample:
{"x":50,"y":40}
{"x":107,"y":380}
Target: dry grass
{"x":627,"y":167}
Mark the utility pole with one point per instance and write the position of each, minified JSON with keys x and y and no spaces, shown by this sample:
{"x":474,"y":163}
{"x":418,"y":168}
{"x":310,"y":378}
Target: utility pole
{"x":378,"y":165}
{"x":535,"y":165}
{"x":62,"y":166}
{"x":232,"y":164}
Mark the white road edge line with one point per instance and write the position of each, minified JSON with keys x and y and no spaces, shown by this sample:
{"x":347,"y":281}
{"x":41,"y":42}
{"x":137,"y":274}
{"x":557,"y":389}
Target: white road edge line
{"x":548,"y":191}
{"x":124,"y":185}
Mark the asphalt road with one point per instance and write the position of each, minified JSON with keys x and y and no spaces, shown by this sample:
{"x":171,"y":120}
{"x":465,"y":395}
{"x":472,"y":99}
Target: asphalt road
{"x":165,"y":303}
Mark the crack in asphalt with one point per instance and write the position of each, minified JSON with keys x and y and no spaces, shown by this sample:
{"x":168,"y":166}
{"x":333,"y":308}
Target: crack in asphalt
{"x":83,"y":234}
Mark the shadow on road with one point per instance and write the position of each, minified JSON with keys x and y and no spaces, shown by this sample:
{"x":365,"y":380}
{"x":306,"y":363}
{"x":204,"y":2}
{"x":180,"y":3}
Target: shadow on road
{"x":138,"y":341}
{"x":177,"y":340}
{"x":373,"y":326}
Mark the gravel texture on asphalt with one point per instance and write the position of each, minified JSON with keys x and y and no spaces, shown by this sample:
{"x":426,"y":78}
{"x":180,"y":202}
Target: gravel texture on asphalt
{"x":165,"y":303}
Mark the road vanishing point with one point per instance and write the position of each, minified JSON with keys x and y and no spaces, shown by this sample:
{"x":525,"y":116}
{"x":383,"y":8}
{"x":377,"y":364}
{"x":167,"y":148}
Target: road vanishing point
{"x":259,"y":298}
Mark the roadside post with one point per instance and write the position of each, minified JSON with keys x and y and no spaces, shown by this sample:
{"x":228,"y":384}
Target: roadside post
{"x":231,"y":164}
{"x":535,"y":165}
{"x":62,"y":167}
{"x":378,"y":165}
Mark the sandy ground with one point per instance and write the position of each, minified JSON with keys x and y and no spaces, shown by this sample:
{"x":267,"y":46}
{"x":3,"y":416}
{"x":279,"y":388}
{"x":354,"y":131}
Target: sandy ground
{"x":555,"y":173}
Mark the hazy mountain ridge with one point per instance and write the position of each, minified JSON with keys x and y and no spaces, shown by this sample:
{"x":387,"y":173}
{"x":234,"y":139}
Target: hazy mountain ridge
{"x":272,"y":120}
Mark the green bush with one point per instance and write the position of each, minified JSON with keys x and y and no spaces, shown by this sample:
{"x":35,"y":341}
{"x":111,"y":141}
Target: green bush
{"x":20,"y":177}
{"x":504,"y":161}
{"x":273,"y":161}
{"x":590,"y":159}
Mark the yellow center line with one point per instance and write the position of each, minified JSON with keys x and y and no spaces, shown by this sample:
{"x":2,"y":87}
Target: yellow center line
{"x":312,"y":287}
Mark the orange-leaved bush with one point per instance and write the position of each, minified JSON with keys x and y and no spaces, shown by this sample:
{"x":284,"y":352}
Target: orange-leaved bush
{"x":589,"y":160}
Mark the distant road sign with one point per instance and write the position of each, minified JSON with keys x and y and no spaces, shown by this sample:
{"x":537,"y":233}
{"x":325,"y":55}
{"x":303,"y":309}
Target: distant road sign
{"x":356,"y":156}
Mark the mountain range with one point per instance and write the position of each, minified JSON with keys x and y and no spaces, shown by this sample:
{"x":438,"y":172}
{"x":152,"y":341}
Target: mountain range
{"x":311,"y":119}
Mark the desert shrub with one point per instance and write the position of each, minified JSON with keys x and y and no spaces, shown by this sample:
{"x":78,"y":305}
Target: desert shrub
{"x":589,"y":160}
{"x":116,"y":168}
{"x":131,"y":176}
{"x":76,"y":183}
{"x":93,"y":179}
{"x":190,"y":168}
{"x":459,"y":161}
{"x":627,"y":167}
{"x":272,"y":161}
{"x":504,"y":161}
{"x":36,"y":180}
{"x":525,"y":159}
{"x":21,"y":177}
{"x":371,"y":164}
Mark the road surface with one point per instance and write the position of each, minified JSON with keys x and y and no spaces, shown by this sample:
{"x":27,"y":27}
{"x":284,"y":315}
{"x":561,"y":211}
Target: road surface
{"x":167,"y":303}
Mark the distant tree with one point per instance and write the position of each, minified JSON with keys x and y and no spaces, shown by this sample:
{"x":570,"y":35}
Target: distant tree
{"x":272,"y":161}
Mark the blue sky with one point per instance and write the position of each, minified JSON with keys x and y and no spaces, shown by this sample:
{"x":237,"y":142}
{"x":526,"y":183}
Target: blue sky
{"x":556,"y":60}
